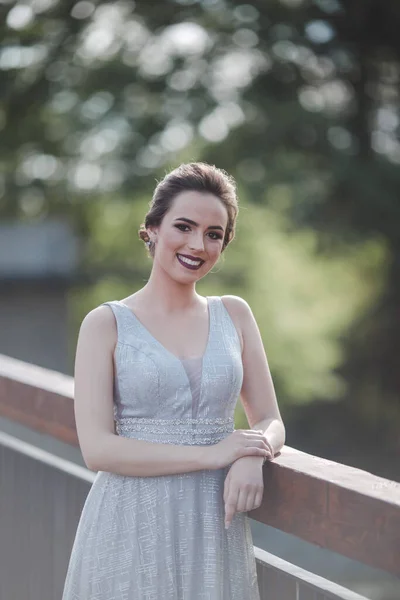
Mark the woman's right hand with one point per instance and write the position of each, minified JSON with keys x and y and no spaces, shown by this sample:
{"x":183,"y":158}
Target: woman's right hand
{"x":242,"y":442}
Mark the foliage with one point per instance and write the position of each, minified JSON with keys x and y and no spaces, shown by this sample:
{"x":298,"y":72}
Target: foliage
{"x":303,"y":302}
{"x":296,"y":97}
{"x":116,"y":90}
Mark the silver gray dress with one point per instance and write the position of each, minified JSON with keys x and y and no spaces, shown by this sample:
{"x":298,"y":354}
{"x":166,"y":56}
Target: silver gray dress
{"x":163,"y":538}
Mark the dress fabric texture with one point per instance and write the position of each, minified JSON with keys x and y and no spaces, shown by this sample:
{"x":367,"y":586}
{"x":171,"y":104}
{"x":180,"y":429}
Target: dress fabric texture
{"x":163,"y":538}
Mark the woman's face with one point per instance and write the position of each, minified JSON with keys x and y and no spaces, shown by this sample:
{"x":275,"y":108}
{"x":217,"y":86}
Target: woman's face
{"x":190,"y":238}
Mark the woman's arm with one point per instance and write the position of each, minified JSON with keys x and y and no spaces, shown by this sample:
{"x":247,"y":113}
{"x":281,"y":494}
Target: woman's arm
{"x":257,"y":394}
{"x":244,"y":486}
{"x":101,"y":448}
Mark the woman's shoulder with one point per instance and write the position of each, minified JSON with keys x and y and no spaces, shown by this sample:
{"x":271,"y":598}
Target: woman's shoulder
{"x":100,"y":321}
{"x":239,"y":311}
{"x":236,"y":306}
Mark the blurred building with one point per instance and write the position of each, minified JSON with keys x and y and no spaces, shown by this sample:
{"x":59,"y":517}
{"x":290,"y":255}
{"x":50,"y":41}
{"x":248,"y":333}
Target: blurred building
{"x":37,"y":264}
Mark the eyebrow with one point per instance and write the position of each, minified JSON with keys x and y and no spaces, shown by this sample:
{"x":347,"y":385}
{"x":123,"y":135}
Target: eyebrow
{"x":196,"y":224}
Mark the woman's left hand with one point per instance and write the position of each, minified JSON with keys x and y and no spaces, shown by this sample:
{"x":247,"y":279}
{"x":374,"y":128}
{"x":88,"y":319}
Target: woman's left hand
{"x":244,"y":486}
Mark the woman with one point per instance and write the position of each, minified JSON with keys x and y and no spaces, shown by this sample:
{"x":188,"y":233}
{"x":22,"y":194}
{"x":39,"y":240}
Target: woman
{"x":167,"y":365}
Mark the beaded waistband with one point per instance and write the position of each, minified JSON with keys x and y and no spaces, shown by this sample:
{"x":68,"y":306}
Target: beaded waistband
{"x":176,"y":431}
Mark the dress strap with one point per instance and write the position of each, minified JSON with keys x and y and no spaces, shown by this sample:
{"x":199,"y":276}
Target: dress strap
{"x":126,"y":325}
{"x":223,"y":323}
{"x":212,"y":302}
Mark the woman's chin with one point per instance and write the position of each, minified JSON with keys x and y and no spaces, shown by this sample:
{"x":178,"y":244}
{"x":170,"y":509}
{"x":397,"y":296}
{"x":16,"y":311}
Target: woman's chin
{"x":187,"y":275}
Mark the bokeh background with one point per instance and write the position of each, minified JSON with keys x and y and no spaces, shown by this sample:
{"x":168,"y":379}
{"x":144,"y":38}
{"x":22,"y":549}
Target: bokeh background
{"x":299,"y":100}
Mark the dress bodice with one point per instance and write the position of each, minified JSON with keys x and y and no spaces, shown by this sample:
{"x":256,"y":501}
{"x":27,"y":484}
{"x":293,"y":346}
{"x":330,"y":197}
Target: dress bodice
{"x":151,"y":384}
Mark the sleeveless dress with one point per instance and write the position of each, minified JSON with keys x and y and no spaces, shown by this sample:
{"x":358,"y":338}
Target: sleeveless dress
{"x":163,"y":538}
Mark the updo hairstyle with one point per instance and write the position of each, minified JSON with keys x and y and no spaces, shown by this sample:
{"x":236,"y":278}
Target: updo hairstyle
{"x":198,"y":177}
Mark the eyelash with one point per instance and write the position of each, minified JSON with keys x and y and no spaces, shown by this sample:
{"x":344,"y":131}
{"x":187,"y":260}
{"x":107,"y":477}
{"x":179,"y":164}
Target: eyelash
{"x":180,"y":226}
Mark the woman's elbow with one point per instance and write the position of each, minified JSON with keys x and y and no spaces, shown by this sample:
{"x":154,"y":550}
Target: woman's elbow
{"x":91,"y":464}
{"x":92,"y":456}
{"x":93,"y":445}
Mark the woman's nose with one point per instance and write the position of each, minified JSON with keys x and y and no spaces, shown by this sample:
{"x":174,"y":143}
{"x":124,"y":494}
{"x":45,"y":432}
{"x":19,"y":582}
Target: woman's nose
{"x":196,"y":243}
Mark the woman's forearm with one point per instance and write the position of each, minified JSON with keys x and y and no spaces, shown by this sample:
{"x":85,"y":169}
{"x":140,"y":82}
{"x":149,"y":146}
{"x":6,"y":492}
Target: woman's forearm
{"x":131,"y":457}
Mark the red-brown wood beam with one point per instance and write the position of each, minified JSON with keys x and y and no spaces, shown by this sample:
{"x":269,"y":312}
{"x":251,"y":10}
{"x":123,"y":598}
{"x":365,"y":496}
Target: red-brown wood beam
{"x":38,"y":398}
{"x":340,"y":508}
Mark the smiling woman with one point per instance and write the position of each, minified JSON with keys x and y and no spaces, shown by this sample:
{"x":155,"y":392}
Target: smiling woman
{"x":194,"y":177}
{"x":157,"y":378}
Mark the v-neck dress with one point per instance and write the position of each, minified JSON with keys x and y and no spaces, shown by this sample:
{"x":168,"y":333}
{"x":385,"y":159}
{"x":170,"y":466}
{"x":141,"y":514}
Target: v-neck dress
{"x":163,"y":538}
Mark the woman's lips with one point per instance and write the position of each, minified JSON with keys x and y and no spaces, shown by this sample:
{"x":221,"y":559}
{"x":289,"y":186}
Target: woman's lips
{"x":192,"y":267}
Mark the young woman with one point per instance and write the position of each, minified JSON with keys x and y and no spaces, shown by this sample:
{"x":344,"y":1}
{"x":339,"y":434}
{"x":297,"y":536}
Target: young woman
{"x":165,"y":518}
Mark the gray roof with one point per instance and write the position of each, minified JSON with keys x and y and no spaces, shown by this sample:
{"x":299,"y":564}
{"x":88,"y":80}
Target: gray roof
{"x":37,"y":250}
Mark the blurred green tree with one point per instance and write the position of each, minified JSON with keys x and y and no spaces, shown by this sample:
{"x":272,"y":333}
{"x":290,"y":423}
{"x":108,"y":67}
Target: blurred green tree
{"x":298,"y":98}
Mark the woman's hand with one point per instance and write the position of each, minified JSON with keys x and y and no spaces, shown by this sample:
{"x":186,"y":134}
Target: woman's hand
{"x":240,"y":443}
{"x":244,"y":487}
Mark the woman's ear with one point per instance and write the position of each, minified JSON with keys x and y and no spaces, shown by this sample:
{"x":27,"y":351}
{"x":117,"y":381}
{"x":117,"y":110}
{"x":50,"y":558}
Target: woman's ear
{"x":153,"y":232}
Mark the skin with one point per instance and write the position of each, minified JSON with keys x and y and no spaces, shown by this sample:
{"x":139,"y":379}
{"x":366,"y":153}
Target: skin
{"x":170,"y":308}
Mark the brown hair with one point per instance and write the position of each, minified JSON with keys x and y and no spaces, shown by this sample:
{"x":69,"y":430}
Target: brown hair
{"x":199,"y":177}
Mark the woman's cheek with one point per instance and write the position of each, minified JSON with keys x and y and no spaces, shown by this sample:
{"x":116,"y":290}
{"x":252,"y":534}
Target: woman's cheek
{"x":217,"y":248}
{"x":175,"y":239}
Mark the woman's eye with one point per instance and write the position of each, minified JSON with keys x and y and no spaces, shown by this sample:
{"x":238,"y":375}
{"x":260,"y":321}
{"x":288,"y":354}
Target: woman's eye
{"x":185,"y":228}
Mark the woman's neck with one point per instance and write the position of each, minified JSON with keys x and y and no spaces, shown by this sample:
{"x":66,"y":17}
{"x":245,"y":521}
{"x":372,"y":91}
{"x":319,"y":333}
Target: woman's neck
{"x":166,"y":294}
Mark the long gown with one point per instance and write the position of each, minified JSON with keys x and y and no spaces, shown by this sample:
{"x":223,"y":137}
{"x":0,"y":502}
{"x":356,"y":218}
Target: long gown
{"x":163,"y":538}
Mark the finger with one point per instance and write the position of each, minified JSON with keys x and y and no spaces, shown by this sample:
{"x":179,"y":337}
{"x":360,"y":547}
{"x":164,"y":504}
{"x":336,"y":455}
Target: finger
{"x":229,"y":514}
{"x":267,"y":456}
{"x":226,"y":487}
{"x":258,"y":435}
{"x":254,"y":451}
{"x":230,"y":506}
{"x":242,"y":500}
{"x":254,"y":436}
{"x":259,"y":442}
{"x":250,"y":502}
{"x":269,"y":445}
{"x":258,"y":499}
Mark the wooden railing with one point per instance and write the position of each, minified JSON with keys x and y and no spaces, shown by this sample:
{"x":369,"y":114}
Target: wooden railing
{"x":343,"y":509}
